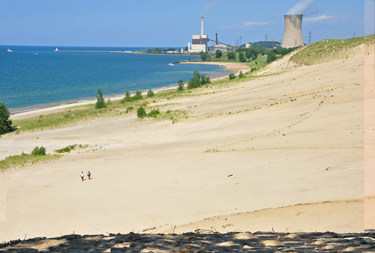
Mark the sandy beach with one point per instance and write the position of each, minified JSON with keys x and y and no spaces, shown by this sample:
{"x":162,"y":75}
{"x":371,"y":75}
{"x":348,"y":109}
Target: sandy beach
{"x":283,"y":152}
{"x":230,"y":66}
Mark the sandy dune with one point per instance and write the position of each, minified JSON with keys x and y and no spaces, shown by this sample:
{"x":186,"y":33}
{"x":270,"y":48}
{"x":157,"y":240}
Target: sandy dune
{"x":290,"y":138}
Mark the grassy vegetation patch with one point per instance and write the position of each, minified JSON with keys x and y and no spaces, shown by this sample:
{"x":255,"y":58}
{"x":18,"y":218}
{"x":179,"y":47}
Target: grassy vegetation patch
{"x":68,"y":117}
{"x":19,"y":161}
{"x":173,"y":115}
{"x":67,"y":149}
{"x":329,"y":50}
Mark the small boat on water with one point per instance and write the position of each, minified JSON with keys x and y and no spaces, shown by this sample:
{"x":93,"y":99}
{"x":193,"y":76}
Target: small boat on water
{"x":170,"y":64}
{"x":9,"y":50}
{"x":56,"y":50}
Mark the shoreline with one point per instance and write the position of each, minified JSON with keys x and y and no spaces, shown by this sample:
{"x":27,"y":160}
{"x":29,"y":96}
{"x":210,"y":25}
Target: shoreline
{"x":29,"y":112}
{"x":96,"y":51}
{"x":230,"y":66}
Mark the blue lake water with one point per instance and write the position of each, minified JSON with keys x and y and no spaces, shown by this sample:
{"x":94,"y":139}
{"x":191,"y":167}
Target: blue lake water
{"x":34,"y":77}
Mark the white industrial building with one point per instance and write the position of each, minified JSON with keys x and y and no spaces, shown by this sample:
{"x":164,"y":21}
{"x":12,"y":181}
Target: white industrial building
{"x":199,"y":41}
{"x":222,"y":48}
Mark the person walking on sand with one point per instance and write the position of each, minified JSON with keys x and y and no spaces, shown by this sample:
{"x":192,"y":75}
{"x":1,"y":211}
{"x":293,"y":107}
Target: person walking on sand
{"x":82,"y":175}
{"x":89,"y":174}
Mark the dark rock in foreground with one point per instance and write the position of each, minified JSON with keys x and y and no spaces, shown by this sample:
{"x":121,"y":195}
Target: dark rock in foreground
{"x":200,"y":241}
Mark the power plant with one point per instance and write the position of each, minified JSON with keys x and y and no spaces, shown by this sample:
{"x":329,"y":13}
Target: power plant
{"x":292,"y":37}
{"x":293,"y":31}
{"x":199,"y":42}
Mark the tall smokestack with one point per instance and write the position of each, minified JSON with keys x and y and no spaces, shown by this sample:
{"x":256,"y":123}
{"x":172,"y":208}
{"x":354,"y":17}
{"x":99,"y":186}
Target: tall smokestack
{"x":216,"y":39}
{"x":202,"y":25}
{"x":293,"y":31}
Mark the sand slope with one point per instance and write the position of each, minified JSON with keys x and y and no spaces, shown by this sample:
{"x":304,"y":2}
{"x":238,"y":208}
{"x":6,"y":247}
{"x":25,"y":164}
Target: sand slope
{"x":289,"y":138}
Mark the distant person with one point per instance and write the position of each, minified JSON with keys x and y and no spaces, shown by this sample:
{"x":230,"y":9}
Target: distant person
{"x":89,"y":174}
{"x":82,"y":175}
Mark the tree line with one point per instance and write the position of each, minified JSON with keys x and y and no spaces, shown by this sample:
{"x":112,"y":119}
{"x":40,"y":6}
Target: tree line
{"x":250,"y":54}
{"x":159,"y":50}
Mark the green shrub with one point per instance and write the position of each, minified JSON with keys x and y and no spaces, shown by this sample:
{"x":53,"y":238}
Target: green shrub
{"x":138,"y":95}
{"x":271,"y":57}
{"x":5,"y":122}
{"x":127,"y":98}
{"x":100,"y":103}
{"x":241,"y":75}
{"x":109,"y":101}
{"x":198,"y":80}
{"x":195,"y":81}
{"x":154,"y":113}
{"x":232,"y":56}
{"x":218,"y":54}
{"x":232,"y":76}
{"x":205,"y":56}
{"x":205,"y":80}
{"x":39,"y":151}
{"x":141,"y":112}
{"x":180,"y":85}
{"x":242,"y":57}
{"x":150,"y":93}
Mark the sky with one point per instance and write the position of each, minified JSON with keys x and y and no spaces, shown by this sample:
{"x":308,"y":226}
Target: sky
{"x":164,"y":23}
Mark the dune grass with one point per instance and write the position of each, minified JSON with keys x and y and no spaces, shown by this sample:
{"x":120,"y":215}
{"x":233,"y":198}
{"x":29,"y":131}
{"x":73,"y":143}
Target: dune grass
{"x":87,"y":113}
{"x":331,"y":49}
{"x":19,"y":161}
{"x":69,"y":148}
{"x":68,"y":117}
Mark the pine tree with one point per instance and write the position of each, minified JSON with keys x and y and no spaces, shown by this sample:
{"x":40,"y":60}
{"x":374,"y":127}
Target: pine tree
{"x":100,"y":103}
{"x":5,"y":122}
{"x":127,"y":97}
{"x":150,"y":93}
{"x":180,"y":85}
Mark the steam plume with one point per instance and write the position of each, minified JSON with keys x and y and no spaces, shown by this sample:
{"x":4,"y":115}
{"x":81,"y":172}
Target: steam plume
{"x":214,"y":4}
{"x":300,"y":7}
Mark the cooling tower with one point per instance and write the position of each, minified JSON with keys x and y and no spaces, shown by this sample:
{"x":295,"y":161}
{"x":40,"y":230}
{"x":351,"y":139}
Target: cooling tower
{"x":293,"y":31}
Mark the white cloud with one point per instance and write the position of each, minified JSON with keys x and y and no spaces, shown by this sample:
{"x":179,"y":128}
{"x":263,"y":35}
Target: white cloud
{"x":315,"y":19}
{"x":245,"y":25}
{"x":214,"y":4}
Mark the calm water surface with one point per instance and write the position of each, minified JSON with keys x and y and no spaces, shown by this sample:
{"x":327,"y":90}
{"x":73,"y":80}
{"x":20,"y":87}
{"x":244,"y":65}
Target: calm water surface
{"x":35,"y":77}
